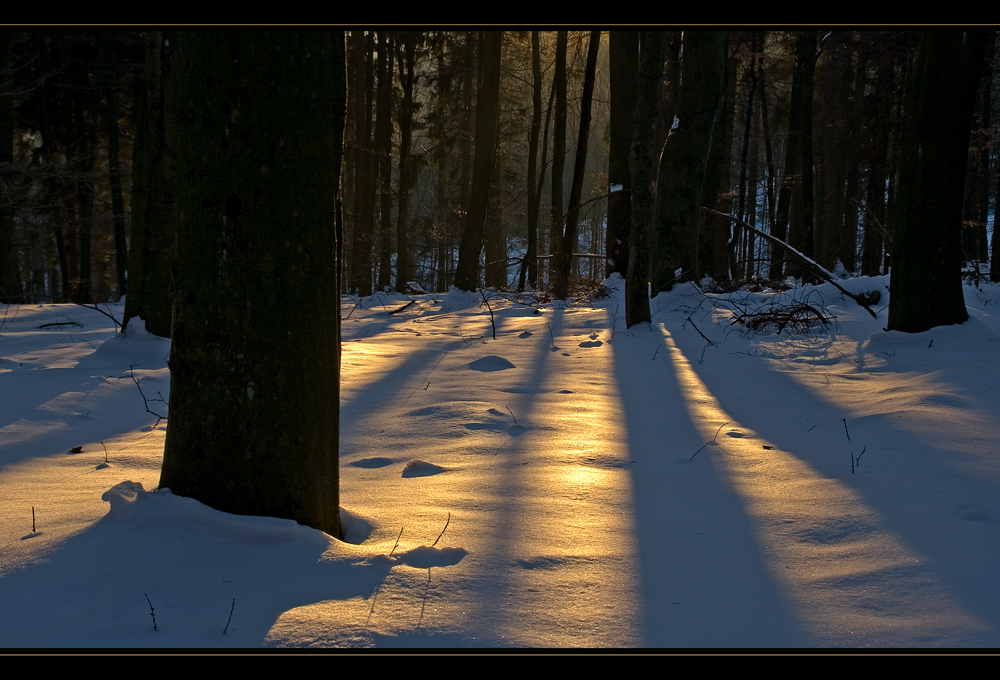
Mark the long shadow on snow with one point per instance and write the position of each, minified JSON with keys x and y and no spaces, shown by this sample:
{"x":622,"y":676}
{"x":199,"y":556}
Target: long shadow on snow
{"x":693,"y":532}
{"x":957,"y":530}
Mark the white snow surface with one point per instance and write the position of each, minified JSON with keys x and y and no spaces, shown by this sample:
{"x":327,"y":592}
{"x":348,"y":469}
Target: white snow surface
{"x":572,"y":483}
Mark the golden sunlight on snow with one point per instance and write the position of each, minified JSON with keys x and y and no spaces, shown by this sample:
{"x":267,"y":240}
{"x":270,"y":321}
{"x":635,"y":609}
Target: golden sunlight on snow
{"x":528,"y":472}
{"x":845,"y":574}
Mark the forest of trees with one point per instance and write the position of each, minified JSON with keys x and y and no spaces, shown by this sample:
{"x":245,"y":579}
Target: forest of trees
{"x":232,"y":182}
{"x":806,"y":145}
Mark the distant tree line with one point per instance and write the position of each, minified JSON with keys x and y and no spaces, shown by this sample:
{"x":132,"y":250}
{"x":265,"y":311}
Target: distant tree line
{"x":796,"y":133}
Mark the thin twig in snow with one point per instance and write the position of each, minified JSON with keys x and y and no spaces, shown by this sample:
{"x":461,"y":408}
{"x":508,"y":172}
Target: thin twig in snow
{"x":442,"y":531}
{"x":397,"y":541}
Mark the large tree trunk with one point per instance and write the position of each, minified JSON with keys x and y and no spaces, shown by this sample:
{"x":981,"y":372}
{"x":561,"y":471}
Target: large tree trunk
{"x":254,"y":403}
{"x":927,"y":244}
{"x":682,"y":164}
{"x":487,"y":122}
{"x":154,"y":199}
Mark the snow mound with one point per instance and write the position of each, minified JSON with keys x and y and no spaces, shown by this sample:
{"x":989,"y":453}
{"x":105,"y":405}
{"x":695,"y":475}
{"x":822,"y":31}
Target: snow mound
{"x":456,"y":300}
{"x":490,"y":363}
{"x":375,"y":462}
{"x":421,"y":468}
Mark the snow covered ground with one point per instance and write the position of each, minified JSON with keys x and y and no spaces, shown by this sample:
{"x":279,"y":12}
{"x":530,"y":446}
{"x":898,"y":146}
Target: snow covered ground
{"x":570,"y":483}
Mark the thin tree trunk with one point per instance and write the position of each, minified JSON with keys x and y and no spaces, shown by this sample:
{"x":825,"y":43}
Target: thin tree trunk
{"x":107,"y":41}
{"x":792,"y":180}
{"x":831,"y":165}
{"x":977,"y":183}
{"x":383,"y":145}
{"x":407,"y":173}
{"x":487,"y":122}
{"x":624,"y":62}
{"x":875,"y":222}
{"x":364,"y":167}
{"x":560,"y":286}
{"x":530,"y":264}
{"x":641,"y":164}
{"x":558,"y":153}
{"x":10,"y":275}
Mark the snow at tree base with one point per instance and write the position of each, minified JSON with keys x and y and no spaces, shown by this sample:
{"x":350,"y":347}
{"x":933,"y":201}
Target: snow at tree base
{"x":570,"y":483}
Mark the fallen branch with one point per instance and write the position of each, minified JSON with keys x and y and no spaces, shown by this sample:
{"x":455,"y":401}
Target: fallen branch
{"x":699,"y":332}
{"x":800,"y":317}
{"x":809,"y":263}
{"x":151,"y":612}
{"x":399,"y":309}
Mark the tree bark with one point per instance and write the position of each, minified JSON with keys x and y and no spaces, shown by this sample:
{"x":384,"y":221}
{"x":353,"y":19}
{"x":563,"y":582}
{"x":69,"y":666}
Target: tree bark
{"x":927,"y":244}
{"x":383,"y":152}
{"x":641,"y":164}
{"x":254,"y":404}
{"x":154,"y":185}
{"x":558,"y":152}
{"x":365,"y":167}
{"x":624,"y":62}
{"x":682,"y":163}
{"x":560,"y":288}
{"x":530,"y":264}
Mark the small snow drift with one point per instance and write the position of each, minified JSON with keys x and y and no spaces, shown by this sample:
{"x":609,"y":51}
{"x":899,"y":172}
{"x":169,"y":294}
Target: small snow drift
{"x":376,"y":462}
{"x":491,"y":363}
{"x":459,"y":418}
{"x":420,"y":468}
